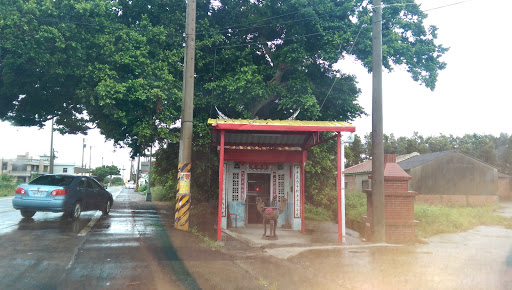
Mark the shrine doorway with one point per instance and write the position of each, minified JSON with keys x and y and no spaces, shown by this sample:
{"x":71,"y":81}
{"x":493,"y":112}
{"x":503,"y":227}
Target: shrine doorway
{"x":258,"y":185}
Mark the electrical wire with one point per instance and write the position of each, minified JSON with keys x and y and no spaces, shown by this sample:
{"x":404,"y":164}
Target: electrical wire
{"x":435,"y":8}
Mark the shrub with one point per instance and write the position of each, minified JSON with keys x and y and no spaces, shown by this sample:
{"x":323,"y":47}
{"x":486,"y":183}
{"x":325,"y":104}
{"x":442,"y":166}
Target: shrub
{"x":355,"y":205}
{"x":7,"y":185}
{"x":158,"y":193}
{"x":316,"y":213}
{"x":143,"y":188}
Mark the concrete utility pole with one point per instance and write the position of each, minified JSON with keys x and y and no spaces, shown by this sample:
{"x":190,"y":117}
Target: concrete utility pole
{"x":51,"y":150}
{"x":90,"y":165}
{"x":83,"y":149}
{"x":138,"y":172}
{"x":181,"y":218}
{"x":148,"y":194}
{"x":379,"y":225}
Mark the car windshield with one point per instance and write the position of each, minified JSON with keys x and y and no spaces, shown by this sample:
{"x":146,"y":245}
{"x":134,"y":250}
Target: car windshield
{"x":56,"y":180}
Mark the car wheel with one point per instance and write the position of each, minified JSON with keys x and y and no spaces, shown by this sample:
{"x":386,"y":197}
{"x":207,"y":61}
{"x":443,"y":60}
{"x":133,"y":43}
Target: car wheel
{"x":27,"y":213}
{"x":106,"y":208}
{"x":76,"y":211}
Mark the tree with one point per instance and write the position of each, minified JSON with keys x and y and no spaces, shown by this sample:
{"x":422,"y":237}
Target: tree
{"x":117,"y":65}
{"x":357,"y":150}
{"x":101,"y":172}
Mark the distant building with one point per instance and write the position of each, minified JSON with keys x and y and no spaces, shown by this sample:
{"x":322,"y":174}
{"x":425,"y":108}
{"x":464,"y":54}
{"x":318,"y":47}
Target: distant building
{"x":25,"y":167}
{"x":447,"y":177}
{"x":64,"y":168}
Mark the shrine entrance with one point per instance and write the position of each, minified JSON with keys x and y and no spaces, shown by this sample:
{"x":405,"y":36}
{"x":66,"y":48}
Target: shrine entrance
{"x":258,"y":185}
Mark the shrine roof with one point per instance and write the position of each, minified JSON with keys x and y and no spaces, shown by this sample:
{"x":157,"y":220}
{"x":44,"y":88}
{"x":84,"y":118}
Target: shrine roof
{"x":275,"y":134}
{"x":281,"y":125}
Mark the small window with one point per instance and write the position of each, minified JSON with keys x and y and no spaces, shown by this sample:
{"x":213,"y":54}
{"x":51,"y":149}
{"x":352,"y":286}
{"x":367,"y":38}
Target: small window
{"x":237,"y":165}
{"x":64,"y":170}
{"x":236,"y":187}
{"x":280,"y":187}
{"x":366,"y":184}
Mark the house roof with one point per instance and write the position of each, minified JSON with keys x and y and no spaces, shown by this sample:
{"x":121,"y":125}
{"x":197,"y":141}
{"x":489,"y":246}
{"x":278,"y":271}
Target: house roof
{"x":418,"y":160}
{"x":366,"y":166}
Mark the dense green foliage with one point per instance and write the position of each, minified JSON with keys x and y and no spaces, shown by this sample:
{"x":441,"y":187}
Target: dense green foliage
{"x":103,"y":171}
{"x":7,"y":185}
{"x":316,"y":213}
{"x":117,"y":65}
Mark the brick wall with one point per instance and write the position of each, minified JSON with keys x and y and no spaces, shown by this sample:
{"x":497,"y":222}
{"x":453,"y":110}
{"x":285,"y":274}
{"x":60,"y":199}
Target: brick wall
{"x":399,"y":208}
{"x":482,"y":200}
{"x":457,"y":200}
{"x":434,"y":199}
{"x":504,"y":190}
{"x":396,"y":186}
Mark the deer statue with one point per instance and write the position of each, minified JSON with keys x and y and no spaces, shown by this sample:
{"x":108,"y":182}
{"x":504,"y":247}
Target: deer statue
{"x":270,"y":215}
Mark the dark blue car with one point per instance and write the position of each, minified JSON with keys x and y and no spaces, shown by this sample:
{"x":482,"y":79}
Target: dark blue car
{"x":70,"y":194}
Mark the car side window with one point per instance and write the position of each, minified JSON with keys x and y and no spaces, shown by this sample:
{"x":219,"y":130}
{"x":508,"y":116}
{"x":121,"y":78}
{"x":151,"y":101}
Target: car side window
{"x":83,"y":183}
{"x":94,"y":185}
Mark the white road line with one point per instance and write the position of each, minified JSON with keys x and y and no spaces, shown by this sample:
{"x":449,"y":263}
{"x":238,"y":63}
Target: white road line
{"x":95,"y":218}
{"x":6,"y":210}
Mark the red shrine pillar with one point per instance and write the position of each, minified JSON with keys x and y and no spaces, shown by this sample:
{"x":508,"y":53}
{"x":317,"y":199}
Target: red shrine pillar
{"x":398,"y":204}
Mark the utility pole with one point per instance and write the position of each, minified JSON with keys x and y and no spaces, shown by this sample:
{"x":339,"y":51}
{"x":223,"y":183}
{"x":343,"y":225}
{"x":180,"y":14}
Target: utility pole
{"x":90,"y":165}
{"x":148,"y":194}
{"x":83,"y":149}
{"x":181,"y":218}
{"x":379,"y":223}
{"x":137,"y":177}
{"x":51,"y":150}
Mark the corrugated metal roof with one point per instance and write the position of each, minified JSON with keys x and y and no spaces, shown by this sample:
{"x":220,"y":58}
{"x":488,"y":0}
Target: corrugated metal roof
{"x":280,"y":122}
{"x":418,"y":160}
{"x":281,"y":133}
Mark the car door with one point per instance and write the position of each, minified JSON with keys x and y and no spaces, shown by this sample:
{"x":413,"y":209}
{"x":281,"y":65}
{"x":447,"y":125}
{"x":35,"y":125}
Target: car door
{"x":85,"y":193}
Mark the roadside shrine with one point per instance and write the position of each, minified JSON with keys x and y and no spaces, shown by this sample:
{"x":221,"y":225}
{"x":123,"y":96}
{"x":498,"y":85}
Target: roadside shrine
{"x":266,"y":159}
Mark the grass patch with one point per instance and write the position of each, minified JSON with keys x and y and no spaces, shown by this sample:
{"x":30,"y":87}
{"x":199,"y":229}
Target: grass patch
{"x":207,"y":242}
{"x":436,"y":220}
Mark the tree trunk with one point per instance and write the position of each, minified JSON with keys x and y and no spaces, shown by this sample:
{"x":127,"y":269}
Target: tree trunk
{"x":277,"y":80}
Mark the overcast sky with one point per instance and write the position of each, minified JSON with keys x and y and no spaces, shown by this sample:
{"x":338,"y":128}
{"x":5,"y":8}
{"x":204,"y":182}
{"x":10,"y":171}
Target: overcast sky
{"x":472,"y":94}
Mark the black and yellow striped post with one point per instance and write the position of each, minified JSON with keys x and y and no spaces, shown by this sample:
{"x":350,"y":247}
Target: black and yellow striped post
{"x":181,"y":217}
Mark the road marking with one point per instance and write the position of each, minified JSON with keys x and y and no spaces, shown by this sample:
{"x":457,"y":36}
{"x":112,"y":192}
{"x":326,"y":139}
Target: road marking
{"x":95,"y":218}
{"x":6,"y":210}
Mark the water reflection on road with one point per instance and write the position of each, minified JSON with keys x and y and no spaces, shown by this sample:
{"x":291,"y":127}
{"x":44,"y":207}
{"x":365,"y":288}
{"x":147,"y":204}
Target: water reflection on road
{"x":477,"y":259}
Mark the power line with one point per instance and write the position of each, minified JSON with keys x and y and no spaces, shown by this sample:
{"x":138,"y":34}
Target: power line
{"x":401,"y":4}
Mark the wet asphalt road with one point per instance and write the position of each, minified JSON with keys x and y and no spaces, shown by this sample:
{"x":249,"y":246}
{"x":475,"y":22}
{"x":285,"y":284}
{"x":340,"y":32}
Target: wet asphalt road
{"x":118,"y":251}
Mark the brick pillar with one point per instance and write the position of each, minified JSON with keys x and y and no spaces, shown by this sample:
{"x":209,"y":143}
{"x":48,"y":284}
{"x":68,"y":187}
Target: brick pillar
{"x":398,"y":203}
